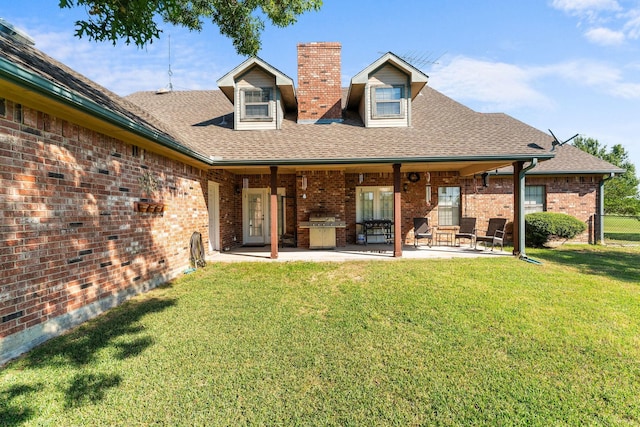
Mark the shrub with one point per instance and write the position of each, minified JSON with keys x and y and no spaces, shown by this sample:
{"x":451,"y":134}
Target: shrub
{"x":540,"y":227}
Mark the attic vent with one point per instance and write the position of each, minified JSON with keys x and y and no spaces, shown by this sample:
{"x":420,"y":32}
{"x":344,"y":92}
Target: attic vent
{"x":15,"y":34}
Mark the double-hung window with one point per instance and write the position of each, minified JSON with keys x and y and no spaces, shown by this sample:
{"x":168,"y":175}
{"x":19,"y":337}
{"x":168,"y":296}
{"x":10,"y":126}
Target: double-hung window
{"x":448,"y":205}
{"x":387,"y":101}
{"x":534,"y":197}
{"x":257,"y":104}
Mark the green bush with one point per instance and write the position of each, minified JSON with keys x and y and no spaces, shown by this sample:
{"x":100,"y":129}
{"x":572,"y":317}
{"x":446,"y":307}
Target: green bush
{"x":542,"y":226}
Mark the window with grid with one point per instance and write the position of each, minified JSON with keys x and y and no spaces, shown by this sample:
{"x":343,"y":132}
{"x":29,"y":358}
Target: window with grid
{"x":448,"y":205}
{"x":534,"y":197}
{"x":387,"y":101}
{"x":374,"y":203}
{"x":256,"y":104}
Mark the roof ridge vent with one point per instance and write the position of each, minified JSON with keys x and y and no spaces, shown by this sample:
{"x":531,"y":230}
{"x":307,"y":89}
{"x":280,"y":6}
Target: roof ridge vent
{"x":14,"y":33}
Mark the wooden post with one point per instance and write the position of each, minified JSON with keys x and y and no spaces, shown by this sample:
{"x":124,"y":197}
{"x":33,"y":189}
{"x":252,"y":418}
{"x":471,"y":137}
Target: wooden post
{"x":397,"y":212}
{"x":274,"y":212}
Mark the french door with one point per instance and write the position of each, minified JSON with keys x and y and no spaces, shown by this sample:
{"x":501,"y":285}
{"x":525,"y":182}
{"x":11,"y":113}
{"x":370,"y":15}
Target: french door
{"x":256,"y":215}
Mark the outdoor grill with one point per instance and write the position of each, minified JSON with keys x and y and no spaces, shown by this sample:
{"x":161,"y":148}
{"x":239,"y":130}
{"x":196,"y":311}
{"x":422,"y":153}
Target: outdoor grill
{"x":322,"y":230}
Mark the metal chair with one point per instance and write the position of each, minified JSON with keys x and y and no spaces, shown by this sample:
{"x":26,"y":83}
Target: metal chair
{"x":494,"y":234}
{"x":421,"y":230}
{"x":467,"y":231}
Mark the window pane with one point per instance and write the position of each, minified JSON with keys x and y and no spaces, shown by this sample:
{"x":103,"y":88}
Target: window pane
{"x":386,"y":204}
{"x":448,"y":205}
{"x":257,"y":95}
{"x":366,"y":198}
{"x":257,"y":110}
{"x":388,"y":93}
{"x":534,"y":196}
{"x":388,"y":108}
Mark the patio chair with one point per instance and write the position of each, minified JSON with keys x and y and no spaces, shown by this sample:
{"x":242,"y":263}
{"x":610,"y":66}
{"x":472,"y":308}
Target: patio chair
{"x":421,"y":230}
{"x":494,"y":234}
{"x":467,"y":231}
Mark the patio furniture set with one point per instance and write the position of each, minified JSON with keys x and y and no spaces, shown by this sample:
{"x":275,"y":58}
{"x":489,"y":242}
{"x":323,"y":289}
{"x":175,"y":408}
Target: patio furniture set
{"x":494,"y":234}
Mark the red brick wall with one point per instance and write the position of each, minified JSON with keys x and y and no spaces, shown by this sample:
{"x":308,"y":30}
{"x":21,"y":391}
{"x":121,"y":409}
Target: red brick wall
{"x":325,"y":192}
{"x":571,"y":195}
{"x":319,"y":81}
{"x":574,"y":196}
{"x":70,"y":234}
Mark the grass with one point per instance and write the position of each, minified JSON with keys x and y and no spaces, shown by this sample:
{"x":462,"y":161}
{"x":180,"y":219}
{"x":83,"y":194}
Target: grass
{"x":441,"y":342}
{"x":622,"y":229}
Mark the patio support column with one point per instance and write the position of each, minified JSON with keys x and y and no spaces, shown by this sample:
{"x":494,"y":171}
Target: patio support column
{"x":273,"y":216}
{"x":397,"y":212}
{"x":517,"y":213}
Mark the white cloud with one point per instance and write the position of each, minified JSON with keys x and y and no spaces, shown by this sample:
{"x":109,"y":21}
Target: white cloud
{"x":602,"y":77}
{"x":605,"y":36}
{"x":585,"y":6}
{"x":505,"y":87}
{"x":501,"y":86}
{"x":632,"y":26}
{"x":626,"y":90}
{"x":609,"y":23}
{"x":126,"y":69}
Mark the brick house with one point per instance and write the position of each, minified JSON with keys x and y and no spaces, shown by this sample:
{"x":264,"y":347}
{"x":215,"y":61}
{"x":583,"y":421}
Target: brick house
{"x":245,"y":164}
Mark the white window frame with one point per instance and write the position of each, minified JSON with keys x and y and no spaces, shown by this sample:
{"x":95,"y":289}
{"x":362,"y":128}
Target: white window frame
{"x":268,"y":103}
{"x":378,"y":203}
{"x":449,"y":205}
{"x":534,"y":198}
{"x":375,"y":101}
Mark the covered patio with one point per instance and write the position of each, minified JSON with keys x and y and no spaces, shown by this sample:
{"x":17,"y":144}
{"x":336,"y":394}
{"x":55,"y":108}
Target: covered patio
{"x":372,"y":252}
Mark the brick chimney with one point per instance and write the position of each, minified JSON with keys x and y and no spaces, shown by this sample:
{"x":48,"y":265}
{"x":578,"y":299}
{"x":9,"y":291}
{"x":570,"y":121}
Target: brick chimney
{"x":319,"y":82}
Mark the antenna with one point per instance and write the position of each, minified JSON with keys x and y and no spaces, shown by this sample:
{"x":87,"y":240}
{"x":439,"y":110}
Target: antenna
{"x":419,"y":59}
{"x":169,"y":72}
{"x":556,"y":143}
{"x":168,"y":88}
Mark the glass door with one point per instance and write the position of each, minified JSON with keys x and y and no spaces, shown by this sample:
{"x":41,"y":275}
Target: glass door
{"x":255,"y":208}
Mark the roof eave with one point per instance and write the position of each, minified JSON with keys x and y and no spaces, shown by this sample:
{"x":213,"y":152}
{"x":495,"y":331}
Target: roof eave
{"x":377,"y":160}
{"x":565,"y":172}
{"x":33,"y":82}
{"x":227,"y":82}
{"x":417,"y":78}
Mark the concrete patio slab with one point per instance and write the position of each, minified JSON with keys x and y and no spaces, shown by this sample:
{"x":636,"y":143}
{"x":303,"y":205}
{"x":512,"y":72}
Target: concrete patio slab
{"x":352,"y":253}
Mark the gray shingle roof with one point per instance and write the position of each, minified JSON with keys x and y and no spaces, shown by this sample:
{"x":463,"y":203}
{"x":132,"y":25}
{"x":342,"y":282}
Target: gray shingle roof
{"x":441,"y":129}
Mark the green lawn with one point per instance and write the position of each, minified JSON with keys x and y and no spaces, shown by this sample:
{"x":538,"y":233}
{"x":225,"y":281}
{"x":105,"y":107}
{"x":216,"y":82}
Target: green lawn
{"x":621,"y":229}
{"x":438,"y":342}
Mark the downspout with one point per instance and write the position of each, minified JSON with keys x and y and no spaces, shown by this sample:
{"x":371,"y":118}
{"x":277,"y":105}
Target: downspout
{"x":601,"y":208}
{"x":521,"y":181}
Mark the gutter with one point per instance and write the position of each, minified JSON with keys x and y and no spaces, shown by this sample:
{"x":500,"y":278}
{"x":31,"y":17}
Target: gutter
{"x":360,"y":160}
{"x":32,"y":82}
{"x":601,"y":206}
{"x":521,"y":225}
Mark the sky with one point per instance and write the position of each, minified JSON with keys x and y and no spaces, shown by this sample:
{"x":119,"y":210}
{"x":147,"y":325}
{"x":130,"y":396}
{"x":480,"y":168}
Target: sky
{"x":571,"y":66}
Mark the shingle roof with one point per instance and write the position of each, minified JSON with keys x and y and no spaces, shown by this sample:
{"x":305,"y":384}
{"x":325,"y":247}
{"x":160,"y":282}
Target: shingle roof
{"x":441,"y":129}
{"x":570,"y":160}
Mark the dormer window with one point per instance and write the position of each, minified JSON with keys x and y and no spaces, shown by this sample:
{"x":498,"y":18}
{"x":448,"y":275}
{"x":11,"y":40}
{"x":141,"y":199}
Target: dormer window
{"x":256,"y":104}
{"x":387,"y":101}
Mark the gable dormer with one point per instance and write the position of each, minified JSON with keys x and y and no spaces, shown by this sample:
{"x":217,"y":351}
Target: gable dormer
{"x":382,"y":92}
{"x":260,"y":94}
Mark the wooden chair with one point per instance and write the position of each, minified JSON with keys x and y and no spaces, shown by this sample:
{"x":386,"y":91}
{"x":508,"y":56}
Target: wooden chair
{"x":421,"y":230}
{"x":467,"y":231}
{"x":494,"y":234}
